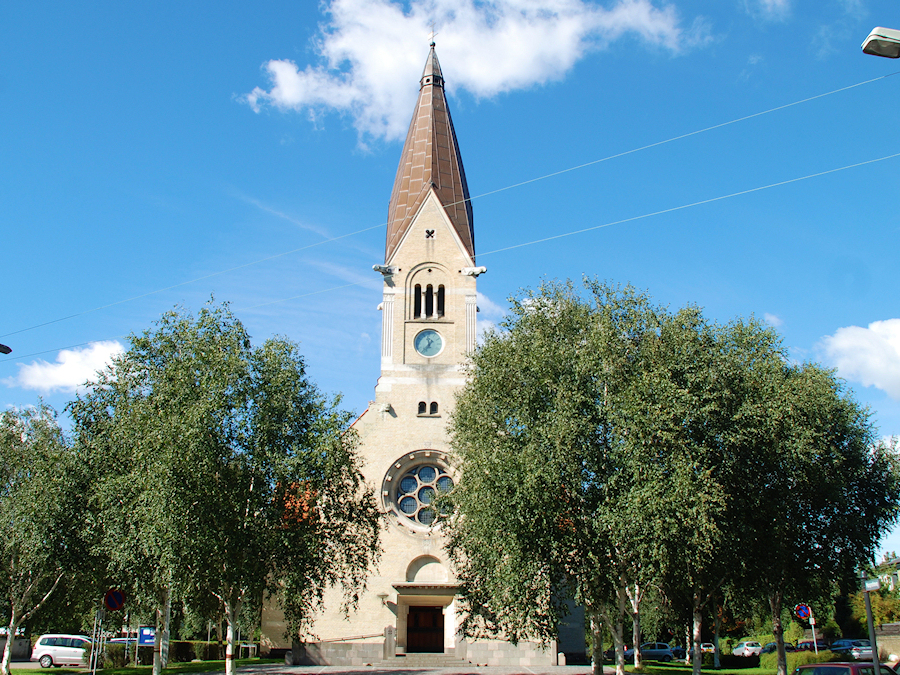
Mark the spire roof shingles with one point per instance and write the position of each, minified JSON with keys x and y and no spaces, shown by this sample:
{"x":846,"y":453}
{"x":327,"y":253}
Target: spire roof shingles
{"x":430,"y":157}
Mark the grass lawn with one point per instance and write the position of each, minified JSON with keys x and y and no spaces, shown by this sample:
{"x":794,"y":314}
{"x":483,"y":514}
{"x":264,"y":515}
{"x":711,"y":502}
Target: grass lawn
{"x":190,"y":667}
{"x":678,"y":668}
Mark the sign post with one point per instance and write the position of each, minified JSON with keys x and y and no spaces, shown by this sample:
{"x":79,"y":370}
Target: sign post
{"x":804,"y":611}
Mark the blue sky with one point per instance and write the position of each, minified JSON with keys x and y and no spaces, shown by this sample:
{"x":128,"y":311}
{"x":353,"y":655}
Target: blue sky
{"x":156,"y":155}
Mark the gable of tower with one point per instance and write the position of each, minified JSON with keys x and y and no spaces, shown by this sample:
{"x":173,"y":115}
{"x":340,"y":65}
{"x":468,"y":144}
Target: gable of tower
{"x":431,"y":235}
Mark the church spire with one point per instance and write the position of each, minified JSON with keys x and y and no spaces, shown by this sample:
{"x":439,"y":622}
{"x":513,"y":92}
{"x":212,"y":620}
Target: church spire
{"x":430,"y":159}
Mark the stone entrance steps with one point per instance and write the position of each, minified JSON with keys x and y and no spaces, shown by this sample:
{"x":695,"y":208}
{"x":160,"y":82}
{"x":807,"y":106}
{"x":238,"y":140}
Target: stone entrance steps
{"x":424,"y":660}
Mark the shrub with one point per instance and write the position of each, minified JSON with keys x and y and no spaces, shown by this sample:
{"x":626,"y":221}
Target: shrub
{"x":115,"y":656}
{"x":794,"y":659}
{"x":181,"y":651}
{"x":731,"y":662}
{"x":209,"y":651}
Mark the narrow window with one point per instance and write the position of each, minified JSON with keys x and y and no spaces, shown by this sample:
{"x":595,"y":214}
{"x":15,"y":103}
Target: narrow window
{"x":421,"y":407}
{"x":433,"y":410}
{"x":417,"y":302}
{"x":440,"y":301}
{"x":429,"y":301}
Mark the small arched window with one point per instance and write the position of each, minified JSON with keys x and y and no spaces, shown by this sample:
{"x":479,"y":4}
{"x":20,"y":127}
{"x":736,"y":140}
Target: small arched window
{"x":417,"y":302}
{"x":433,"y":410}
{"x":429,"y":301}
{"x":421,"y":407}
{"x":440,"y":300}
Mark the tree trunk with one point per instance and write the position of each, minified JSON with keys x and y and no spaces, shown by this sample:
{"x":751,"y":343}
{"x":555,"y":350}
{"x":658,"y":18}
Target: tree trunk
{"x":616,"y":621}
{"x":10,"y":637}
{"x":775,"y":601}
{"x":596,"y":646}
{"x":230,"y":623}
{"x":697,"y":625}
{"x":635,"y":600}
{"x":157,"y":643}
{"x":164,"y":643}
{"x":718,"y":628}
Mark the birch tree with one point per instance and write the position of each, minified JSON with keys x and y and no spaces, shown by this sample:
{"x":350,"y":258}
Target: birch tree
{"x":41,"y":515}
{"x":235,"y":476}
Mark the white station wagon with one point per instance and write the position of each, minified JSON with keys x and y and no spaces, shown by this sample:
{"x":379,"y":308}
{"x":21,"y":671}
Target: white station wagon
{"x":57,"y":649}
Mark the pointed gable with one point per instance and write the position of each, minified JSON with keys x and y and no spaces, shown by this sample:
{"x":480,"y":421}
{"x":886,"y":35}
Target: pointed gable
{"x":430,"y":159}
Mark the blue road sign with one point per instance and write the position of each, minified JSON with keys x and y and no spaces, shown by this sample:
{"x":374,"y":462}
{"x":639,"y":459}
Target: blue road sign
{"x":146,"y":636}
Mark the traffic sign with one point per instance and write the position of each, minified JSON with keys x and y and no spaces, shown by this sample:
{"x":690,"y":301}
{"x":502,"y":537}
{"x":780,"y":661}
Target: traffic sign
{"x":803,"y":611}
{"x":114,"y":599}
{"x":146,"y":636}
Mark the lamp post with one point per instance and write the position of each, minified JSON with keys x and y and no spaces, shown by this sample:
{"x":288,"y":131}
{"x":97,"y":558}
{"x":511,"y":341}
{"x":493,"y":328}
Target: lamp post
{"x":871,"y":585}
{"x":883,"y":42}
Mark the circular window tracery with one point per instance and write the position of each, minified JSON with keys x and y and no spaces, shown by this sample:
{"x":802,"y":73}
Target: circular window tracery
{"x":412,"y":484}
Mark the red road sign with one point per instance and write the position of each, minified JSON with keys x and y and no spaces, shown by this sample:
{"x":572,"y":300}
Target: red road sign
{"x":114,"y":599}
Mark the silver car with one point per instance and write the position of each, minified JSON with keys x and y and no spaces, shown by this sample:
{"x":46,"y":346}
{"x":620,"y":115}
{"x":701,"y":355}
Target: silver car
{"x":59,"y":649}
{"x":653,"y":651}
{"x":747,"y":648}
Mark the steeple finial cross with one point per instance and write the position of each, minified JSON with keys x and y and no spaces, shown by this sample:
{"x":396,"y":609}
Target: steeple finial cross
{"x":433,"y":34}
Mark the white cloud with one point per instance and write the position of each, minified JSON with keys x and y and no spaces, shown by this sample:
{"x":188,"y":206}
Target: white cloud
{"x":489,"y":313}
{"x":72,"y":369}
{"x":870,"y":355}
{"x":772,"y":320}
{"x":372,"y":51}
{"x":769,"y":9}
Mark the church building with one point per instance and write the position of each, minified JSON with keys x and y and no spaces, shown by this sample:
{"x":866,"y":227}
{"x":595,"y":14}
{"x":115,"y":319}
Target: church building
{"x":428,"y":318}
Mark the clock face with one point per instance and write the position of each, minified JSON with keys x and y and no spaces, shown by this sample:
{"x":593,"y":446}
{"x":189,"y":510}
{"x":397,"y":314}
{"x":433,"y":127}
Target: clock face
{"x":429,"y":343}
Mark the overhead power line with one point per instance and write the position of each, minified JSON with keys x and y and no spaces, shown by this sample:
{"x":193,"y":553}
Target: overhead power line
{"x":503,"y":189}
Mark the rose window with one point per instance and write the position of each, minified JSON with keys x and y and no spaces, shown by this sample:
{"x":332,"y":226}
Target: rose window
{"x":412,"y":485}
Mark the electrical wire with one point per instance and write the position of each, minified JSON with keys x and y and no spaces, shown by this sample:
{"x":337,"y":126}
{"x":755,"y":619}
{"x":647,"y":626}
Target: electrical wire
{"x":503,"y":189}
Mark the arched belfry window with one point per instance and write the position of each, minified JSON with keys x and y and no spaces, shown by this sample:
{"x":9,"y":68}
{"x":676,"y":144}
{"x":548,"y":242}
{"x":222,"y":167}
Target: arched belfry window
{"x":429,"y":301}
{"x":421,"y":407}
{"x":433,"y":410}
{"x":429,"y":294}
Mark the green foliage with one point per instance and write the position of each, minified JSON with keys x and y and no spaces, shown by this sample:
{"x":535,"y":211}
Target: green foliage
{"x":794,"y":659}
{"x":223,"y":474}
{"x":885,"y":607}
{"x":42,"y":524}
{"x":605,"y":442}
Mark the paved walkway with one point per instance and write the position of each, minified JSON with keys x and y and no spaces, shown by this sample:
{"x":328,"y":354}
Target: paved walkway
{"x":278,"y":669}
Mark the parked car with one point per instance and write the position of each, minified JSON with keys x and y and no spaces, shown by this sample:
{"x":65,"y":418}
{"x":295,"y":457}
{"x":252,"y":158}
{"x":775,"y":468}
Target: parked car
{"x":707,"y":647}
{"x":772,"y":646}
{"x":122,"y":641}
{"x":861,"y":652}
{"x":845,"y":646}
{"x":809,"y":646}
{"x":836,"y":668}
{"x":654,"y":651}
{"x":747,"y":648}
{"x":57,"y":649}
{"x":679,"y":652}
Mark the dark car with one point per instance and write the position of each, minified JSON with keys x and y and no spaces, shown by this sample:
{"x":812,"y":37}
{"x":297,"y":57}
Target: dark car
{"x":679,"y":652}
{"x":810,"y":646}
{"x":653,"y":651}
{"x":770,"y":647}
{"x":835,"y":668}
{"x":845,"y":647}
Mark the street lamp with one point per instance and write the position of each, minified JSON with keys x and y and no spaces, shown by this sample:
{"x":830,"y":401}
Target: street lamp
{"x":883,"y":42}
{"x":867,"y":586}
{"x":4,"y":349}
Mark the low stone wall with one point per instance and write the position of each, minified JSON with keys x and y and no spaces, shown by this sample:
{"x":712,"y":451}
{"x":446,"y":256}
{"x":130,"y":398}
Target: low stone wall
{"x":21,"y":648}
{"x":337,"y":653}
{"x":500,"y":653}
